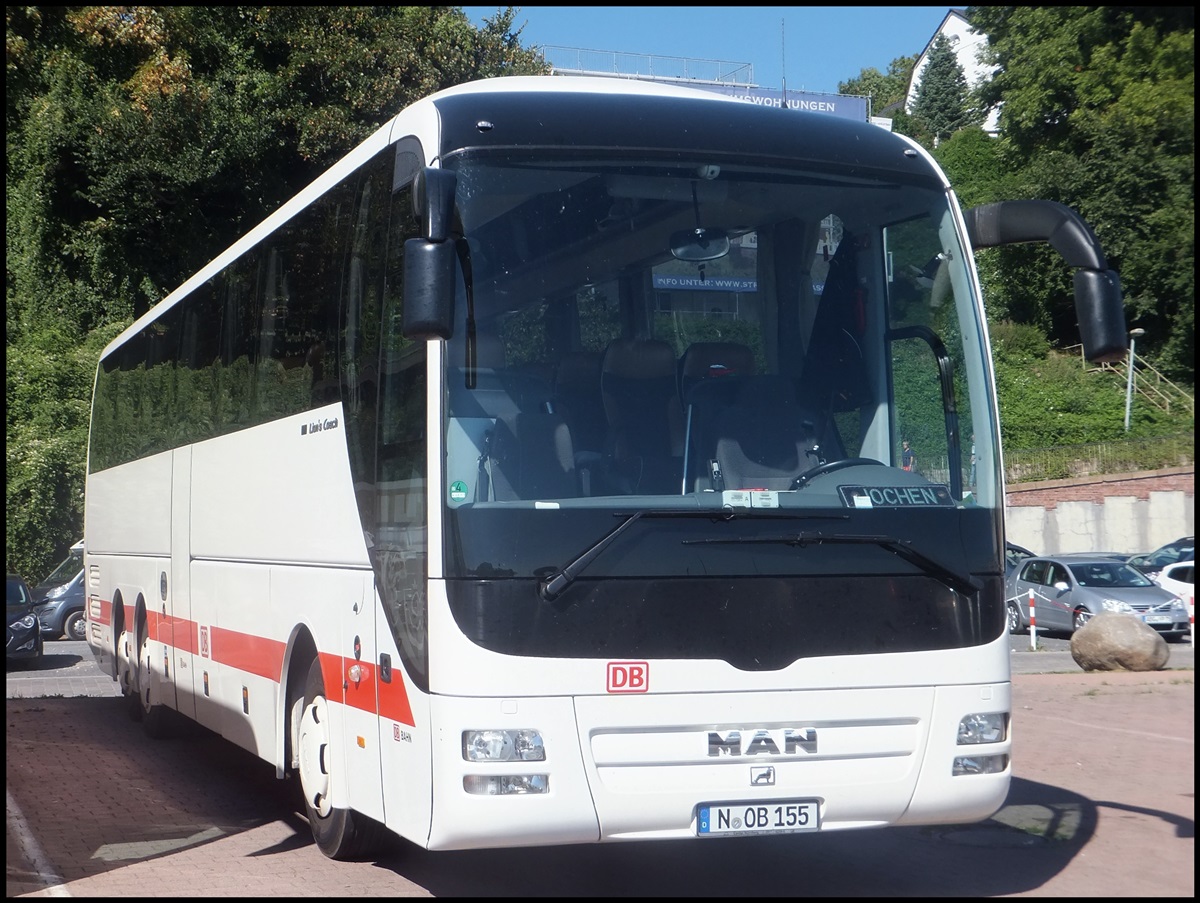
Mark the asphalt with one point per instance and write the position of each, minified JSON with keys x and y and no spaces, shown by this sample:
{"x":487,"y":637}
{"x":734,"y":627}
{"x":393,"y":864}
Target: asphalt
{"x":51,"y":852}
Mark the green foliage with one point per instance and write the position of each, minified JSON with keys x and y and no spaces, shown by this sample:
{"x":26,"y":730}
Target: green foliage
{"x":45,"y":452}
{"x":885,"y":90}
{"x":971,"y":159}
{"x":1099,"y":114}
{"x":142,"y":141}
{"x":1049,"y":398}
{"x":941,"y":106}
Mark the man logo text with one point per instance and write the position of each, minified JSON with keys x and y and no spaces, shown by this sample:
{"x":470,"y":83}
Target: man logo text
{"x":788,"y":742}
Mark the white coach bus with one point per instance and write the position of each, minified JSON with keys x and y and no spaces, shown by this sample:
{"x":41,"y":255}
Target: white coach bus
{"x":534,"y":477}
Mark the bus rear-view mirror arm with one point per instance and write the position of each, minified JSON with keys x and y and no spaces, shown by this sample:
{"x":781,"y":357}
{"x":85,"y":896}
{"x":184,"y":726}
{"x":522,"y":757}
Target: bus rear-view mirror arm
{"x":1098,"y":302}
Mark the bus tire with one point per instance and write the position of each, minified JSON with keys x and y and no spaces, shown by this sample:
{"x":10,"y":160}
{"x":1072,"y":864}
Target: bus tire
{"x":339,"y":833}
{"x":127,"y":679}
{"x":154,"y":718}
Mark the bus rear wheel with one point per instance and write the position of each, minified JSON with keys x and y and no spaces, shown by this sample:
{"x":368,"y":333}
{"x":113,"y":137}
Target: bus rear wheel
{"x":339,"y":833}
{"x":154,"y":717}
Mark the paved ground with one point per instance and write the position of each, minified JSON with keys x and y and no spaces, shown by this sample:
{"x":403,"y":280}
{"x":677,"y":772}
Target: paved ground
{"x":1102,"y":804}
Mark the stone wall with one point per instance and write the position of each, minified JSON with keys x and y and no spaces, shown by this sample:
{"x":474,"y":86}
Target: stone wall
{"x":1126,"y":513}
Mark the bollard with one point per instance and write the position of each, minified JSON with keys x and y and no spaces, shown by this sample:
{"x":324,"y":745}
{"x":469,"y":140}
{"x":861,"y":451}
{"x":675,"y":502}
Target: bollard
{"x":1032,"y":623}
{"x":1192,"y":618}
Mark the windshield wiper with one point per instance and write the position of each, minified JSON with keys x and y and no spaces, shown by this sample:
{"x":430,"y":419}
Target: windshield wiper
{"x":959,"y":582}
{"x":553,"y":584}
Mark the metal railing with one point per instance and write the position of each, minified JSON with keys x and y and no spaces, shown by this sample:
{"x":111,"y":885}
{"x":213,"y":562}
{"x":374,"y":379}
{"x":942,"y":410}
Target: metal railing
{"x":613,"y":63}
{"x":1148,"y":383}
{"x":1064,"y":462}
{"x":1121,"y":456}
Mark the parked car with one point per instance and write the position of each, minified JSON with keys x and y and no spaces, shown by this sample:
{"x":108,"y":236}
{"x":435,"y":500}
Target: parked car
{"x":1110,"y":556}
{"x":24,"y":631}
{"x":1179,"y":578}
{"x":60,"y":598}
{"x":1069,"y":589}
{"x":1014,"y":555}
{"x":1182,"y":549}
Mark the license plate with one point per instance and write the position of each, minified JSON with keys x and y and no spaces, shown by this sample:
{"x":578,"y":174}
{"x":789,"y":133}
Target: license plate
{"x":762,"y":817}
{"x":1158,"y":619}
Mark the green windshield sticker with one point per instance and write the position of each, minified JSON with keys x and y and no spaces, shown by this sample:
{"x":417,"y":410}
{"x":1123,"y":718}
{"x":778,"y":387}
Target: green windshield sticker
{"x":458,"y":491}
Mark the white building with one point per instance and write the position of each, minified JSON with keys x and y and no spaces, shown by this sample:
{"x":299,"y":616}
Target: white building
{"x":967,"y":44}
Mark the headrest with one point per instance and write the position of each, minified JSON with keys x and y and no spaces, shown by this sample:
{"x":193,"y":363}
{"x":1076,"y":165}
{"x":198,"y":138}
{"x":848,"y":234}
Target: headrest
{"x":639,"y":359}
{"x":579,"y":370}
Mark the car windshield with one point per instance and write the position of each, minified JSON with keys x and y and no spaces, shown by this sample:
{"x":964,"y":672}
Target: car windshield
{"x":1100,"y":574}
{"x":67,"y":570}
{"x":1169,"y":554}
{"x":16,"y":593}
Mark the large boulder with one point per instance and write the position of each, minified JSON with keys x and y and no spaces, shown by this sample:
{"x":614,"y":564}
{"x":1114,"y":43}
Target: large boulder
{"x":1111,"y":641}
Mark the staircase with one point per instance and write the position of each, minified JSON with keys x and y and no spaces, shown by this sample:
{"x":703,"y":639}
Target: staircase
{"x":1148,"y":383}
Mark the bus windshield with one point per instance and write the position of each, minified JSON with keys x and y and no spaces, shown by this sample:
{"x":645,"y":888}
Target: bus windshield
{"x":760,"y":343}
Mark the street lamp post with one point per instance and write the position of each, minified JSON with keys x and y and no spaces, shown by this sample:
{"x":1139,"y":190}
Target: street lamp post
{"x":1134,"y":335}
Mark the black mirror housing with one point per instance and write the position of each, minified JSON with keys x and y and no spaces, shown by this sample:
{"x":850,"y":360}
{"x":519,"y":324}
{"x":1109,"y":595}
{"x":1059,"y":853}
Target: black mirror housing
{"x":428,"y":289}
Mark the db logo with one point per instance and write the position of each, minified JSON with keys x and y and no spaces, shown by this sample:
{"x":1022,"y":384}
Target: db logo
{"x":628,"y":677}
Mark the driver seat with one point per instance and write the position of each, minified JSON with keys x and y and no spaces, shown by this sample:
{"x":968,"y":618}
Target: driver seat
{"x":766,"y":438}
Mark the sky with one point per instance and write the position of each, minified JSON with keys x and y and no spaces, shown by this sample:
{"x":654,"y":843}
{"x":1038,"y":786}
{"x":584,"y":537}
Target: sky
{"x":802,"y":48}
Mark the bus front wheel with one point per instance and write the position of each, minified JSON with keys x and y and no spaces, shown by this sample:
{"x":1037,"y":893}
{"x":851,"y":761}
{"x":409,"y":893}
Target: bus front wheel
{"x":339,"y":833}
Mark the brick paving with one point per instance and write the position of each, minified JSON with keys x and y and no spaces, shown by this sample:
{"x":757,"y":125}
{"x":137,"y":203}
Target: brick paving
{"x":93,"y":808}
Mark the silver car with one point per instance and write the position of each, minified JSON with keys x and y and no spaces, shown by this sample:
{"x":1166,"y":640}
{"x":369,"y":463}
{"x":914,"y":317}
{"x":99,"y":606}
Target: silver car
{"x":1069,"y":589}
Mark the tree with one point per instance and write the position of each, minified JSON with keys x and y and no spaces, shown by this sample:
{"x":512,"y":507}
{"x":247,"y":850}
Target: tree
{"x":1099,"y":114}
{"x":941,"y":105}
{"x":884,"y":90}
{"x":140,"y":142}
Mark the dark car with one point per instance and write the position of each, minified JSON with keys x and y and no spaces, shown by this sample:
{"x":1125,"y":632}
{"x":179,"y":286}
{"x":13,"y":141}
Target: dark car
{"x":60,"y":598}
{"x":1069,"y":589}
{"x":24,"y":631}
{"x":1182,"y":549}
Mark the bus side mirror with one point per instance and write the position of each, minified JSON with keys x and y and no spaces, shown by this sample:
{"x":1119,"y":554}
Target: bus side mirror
{"x":428,"y":289}
{"x":1098,"y":302}
{"x":1101,"y":312}
{"x":429,"y":260}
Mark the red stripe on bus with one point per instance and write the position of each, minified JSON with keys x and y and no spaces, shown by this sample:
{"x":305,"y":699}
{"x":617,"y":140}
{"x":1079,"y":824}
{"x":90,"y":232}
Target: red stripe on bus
{"x":187,"y":636}
{"x":264,"y":657}
{"x":393,"y":700}
{"x":247,"y":652}
{"x":370,"y":694}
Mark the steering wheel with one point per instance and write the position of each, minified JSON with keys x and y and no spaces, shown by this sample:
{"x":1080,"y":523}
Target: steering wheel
{"x":829,"y":467}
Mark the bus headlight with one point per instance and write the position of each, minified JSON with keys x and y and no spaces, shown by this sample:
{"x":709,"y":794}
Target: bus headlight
{"x":503,"y":746}
{"x":979,"y":765}
{"x":505,"y":784}
{"x":982,"y":727}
